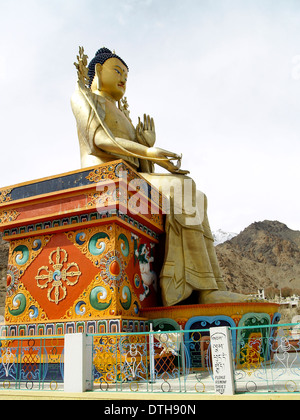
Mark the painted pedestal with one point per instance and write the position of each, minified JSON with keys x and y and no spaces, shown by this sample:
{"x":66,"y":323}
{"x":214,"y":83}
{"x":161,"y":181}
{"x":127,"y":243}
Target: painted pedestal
{"x":82,"y":252}
{"x":252,"y":326}
{"x":85,"y":254}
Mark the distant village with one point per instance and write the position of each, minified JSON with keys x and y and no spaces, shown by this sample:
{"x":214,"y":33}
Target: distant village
{"x":285,"y":301}
{"x":281,"y":299}
{"x":289,"y":305}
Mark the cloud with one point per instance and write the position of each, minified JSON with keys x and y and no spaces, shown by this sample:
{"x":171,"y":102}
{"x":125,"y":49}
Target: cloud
{"x":3,"y":68}
{"x":130,"y":5}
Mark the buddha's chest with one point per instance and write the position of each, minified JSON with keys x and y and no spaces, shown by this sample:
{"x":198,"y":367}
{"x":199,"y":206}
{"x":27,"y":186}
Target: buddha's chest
{"x":117,"y":122}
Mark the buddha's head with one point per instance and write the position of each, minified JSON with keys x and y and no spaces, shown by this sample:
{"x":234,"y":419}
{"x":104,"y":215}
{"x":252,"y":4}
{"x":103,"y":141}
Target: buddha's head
{"x":108,"y":74}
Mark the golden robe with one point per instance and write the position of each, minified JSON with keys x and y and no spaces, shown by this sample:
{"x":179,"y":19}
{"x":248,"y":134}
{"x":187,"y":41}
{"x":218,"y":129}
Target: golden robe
{"x":190,"y":261}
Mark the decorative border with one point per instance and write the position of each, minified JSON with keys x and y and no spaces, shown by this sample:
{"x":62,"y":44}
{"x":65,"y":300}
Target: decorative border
{"x":101,"y":326}
{"x":118,"y":196}
{"x":5,"y":196}
{"x":41,"y":227}
{"x":8,"y":216}
{"x":112,"y":325}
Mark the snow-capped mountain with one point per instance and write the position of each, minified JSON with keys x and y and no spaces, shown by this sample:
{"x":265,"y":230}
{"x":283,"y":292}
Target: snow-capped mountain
{"x":220,"y":236}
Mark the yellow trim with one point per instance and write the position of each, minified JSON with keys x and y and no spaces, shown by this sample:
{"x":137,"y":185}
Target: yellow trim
{"x":190,"y":311}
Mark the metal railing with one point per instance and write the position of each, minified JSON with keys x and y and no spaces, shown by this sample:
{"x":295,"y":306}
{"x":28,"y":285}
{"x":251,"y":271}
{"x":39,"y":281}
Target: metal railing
{"x":143,"y":362}
{"x":32,"y":363}
{"x":266,"y":359}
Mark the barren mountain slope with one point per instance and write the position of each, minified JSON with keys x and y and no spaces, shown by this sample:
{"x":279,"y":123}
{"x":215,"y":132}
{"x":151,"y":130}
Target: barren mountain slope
{"x":266,"y":254}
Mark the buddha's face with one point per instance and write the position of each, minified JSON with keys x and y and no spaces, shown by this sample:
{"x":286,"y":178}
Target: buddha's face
{"x":113,"y":77}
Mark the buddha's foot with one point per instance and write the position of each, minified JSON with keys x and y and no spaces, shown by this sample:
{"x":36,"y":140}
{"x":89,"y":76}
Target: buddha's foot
{"x":218,"y":296}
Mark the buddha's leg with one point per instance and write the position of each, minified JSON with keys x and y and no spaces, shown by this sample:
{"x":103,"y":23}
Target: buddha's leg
{"x":209,"y":241}
{"x":221,"y":296}
{"x":190,"y":259}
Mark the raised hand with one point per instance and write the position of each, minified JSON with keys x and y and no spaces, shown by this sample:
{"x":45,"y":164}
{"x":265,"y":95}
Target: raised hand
{"x":145,"y":132}
{"x":146,"y":136}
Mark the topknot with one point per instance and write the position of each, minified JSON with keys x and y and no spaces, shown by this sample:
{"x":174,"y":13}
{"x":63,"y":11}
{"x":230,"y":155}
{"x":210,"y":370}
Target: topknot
{"x":103,"y":51}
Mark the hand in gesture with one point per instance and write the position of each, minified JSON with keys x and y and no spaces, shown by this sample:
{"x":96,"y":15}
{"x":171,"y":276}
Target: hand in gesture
{"x":164,"y":158}
{"x":146,"y":135}
{"x":145,"y":132}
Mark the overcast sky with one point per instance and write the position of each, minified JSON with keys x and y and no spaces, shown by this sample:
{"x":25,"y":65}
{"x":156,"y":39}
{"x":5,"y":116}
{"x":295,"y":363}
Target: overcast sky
{"x":220,"y":77}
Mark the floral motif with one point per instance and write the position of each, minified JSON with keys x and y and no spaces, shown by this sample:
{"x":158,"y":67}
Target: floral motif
{"x":8,"y":216}
{"x":5,"y":196}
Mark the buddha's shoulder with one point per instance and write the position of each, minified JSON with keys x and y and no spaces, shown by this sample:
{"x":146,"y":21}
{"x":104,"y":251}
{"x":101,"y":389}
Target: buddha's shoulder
{"x":84,"y":98}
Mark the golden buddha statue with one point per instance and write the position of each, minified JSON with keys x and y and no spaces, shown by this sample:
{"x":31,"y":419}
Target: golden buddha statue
{"x":106,"y":133}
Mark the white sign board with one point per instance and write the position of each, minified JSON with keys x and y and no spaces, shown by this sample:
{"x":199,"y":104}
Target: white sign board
{"x":222,"y":360}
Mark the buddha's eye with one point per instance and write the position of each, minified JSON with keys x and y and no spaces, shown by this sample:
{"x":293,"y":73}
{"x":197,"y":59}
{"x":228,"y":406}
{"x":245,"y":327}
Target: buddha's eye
{"x":118,"y":71}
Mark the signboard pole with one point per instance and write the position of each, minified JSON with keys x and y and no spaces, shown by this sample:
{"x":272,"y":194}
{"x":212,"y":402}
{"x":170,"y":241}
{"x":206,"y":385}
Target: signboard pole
{"x":221,"y":350}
